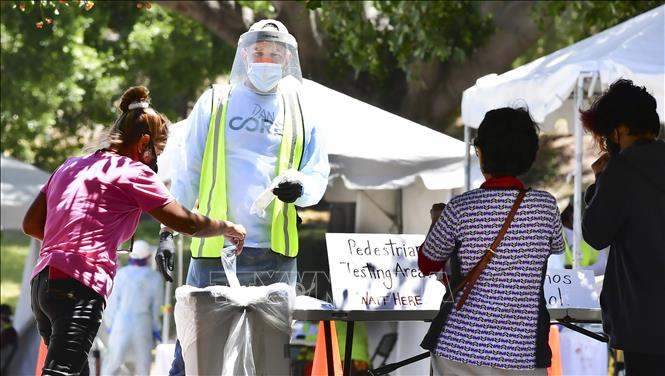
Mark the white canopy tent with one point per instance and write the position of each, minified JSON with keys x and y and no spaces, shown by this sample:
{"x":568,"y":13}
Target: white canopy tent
{"x":554,"y":86}
{"x":391,"y":167}
{"x":20,"y":183}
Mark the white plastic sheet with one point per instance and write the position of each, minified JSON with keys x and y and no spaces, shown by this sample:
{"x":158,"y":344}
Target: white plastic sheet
{"x":234,"y":330}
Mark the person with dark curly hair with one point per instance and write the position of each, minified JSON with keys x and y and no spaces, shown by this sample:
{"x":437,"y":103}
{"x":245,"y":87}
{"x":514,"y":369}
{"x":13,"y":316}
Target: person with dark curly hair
{"x":626,"y":211}
{"x":89,"y":206}
{"x":503,"y":326}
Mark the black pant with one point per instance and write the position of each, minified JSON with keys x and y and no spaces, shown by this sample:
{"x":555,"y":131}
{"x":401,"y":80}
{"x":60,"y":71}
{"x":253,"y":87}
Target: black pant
{"x":68,"y":316}
{"x":638,"y":364}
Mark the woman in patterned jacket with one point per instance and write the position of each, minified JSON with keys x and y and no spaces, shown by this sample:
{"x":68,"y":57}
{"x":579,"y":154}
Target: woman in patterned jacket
{"x":503,"y":327}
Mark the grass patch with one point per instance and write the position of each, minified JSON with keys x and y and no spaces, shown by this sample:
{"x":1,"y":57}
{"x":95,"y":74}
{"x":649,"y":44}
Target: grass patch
{"x":13,"y":249}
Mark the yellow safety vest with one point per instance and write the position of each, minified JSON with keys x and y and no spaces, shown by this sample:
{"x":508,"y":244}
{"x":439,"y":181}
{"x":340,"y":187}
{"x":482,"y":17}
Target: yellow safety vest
{"x":589,"y":254}
{"x":212,"y":199}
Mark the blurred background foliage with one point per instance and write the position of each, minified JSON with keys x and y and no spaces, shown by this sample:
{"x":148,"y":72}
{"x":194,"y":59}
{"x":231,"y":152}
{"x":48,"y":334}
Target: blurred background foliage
{"x":59,"y":82}
{"x":379,"y":35}
{"x":64,"y":63}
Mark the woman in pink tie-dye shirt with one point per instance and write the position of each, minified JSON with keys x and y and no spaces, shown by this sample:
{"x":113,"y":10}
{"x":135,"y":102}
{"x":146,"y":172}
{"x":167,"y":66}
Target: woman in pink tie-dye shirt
{"x":90,"y":205}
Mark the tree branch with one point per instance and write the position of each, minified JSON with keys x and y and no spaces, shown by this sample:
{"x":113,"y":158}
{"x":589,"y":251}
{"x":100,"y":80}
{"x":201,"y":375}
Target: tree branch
{"x":225,"y":19}
{"x":222,"y":18}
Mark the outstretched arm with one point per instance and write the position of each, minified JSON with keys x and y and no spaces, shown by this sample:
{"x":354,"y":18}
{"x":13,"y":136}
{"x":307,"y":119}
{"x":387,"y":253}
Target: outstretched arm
{"x":178,"y":218}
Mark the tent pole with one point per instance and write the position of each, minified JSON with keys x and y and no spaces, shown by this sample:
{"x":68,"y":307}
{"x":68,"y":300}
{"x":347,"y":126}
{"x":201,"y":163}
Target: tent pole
{"x":180,"y":260}
{"x":467,"y":159}
{"x":577,"y":211}
{"x":166,"y":318}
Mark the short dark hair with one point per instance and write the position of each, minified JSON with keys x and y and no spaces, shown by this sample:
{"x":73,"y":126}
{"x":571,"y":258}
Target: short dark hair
{"x":508,"y":139}
{"x":623,"y":103}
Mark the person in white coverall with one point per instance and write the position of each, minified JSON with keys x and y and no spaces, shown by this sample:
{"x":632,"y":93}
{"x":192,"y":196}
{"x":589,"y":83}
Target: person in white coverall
{"x":241,"y":137}
{"x":133,"y":311}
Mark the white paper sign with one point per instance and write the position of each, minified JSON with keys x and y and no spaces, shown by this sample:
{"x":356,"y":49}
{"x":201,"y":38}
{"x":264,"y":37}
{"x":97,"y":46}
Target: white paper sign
{"x":380,"y":272}
{"x":565,"y":288}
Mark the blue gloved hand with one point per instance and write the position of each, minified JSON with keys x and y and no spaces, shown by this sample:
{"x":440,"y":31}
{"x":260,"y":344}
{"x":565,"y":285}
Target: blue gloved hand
{"x":157,"y":335}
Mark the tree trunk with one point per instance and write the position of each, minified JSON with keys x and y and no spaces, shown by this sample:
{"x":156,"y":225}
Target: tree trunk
{"x":435,"y":99}
{"x":301,"y":22}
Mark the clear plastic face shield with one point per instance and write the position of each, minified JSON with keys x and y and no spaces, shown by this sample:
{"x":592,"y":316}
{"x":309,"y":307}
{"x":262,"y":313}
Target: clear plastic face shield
{"x":264,"y":59}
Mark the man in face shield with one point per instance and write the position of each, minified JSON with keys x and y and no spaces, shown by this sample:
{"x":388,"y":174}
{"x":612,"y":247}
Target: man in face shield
{"x":265,"y":60}
{"x":255,"y":136}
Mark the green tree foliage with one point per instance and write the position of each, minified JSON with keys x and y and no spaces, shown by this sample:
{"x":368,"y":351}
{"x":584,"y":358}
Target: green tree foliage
{"x":410,"y":57}
{"x":60,"y":81}
{"x":372,"y":35}
{"x":379,"y":35}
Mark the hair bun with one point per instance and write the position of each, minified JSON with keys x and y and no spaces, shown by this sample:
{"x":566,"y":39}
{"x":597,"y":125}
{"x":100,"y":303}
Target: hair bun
{"x":133,"y":94}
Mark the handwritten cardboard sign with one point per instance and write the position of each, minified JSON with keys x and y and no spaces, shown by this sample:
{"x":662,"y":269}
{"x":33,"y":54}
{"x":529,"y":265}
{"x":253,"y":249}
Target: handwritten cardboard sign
{"x":565,"y":288}
{"x":380,"y":272}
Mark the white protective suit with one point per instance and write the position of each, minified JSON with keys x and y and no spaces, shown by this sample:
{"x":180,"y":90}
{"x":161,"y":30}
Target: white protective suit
{"x":251,"y":157}
{"x":132,"y":316}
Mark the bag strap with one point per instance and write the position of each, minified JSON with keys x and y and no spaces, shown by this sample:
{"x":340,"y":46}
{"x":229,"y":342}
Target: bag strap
{"x":470,"y":279}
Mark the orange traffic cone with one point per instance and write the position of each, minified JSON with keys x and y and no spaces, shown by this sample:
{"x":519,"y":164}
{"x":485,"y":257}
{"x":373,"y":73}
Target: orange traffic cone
{"x":320,"y":366}
{"x":555,"y":369}
{"x":41,"y":357}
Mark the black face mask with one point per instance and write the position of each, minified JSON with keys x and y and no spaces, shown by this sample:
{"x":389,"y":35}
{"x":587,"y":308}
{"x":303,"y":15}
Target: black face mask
{"x":612,"y":147}
{"x":153,"y":158}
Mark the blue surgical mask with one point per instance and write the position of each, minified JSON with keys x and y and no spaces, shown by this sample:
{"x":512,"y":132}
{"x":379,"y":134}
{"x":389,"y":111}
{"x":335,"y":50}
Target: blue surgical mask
{"x":264,"y":76}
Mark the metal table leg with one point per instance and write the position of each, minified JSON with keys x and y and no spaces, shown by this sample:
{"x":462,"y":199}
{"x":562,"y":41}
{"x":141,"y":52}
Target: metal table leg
{"x":347,"y":348}
{"x":329,"y":352}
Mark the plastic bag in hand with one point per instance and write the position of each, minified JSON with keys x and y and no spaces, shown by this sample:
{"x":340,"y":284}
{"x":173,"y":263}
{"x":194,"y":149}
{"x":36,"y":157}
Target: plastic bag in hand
{"x":265,"y":198}
{"x":229,"y":263}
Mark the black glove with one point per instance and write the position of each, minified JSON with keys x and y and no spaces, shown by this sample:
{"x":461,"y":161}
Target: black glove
{"x":164,"y":255}
{"x":288,"y":191}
